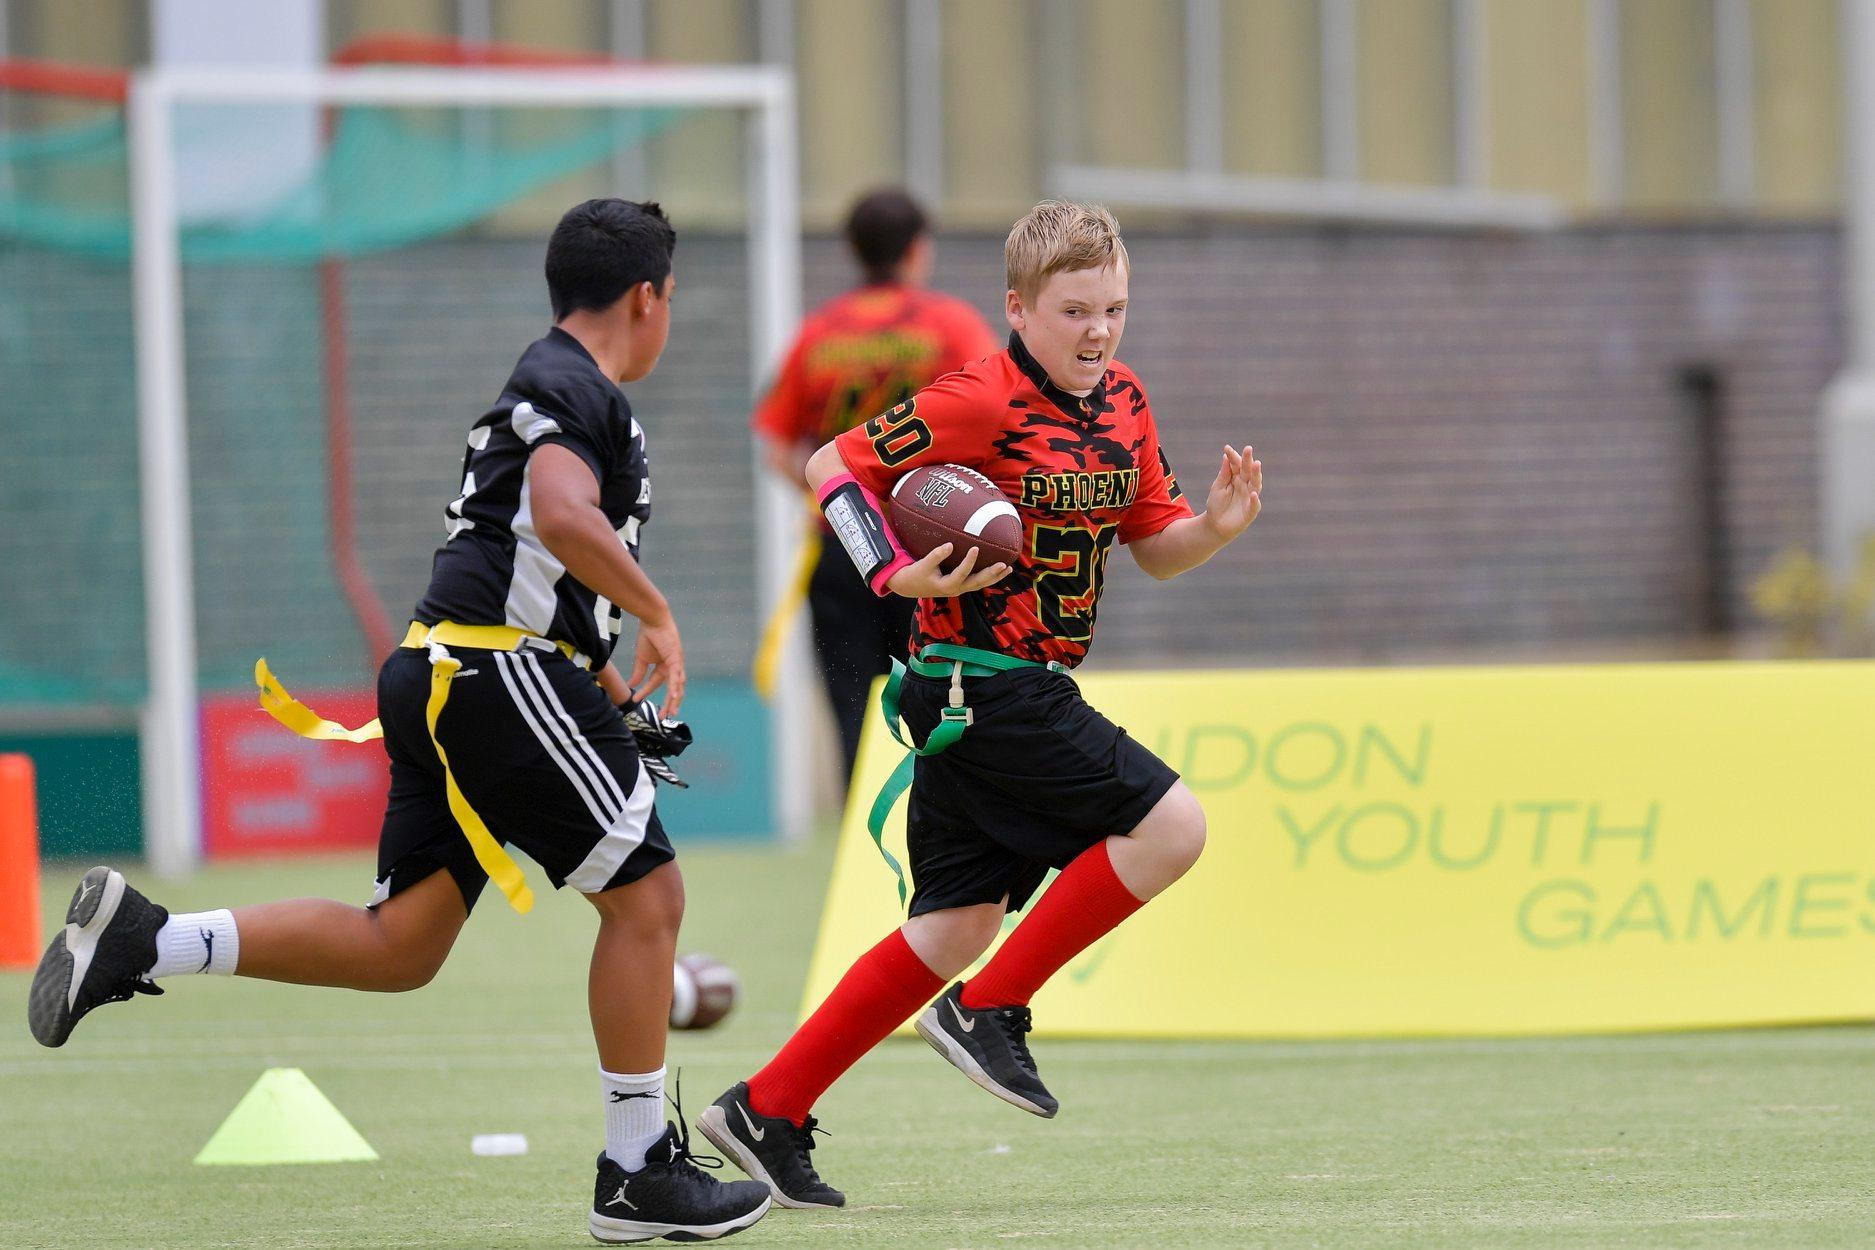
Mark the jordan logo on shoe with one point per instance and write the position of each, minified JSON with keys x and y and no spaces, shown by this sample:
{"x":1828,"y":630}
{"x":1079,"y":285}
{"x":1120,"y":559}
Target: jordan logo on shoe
{"x":84,"y":890}
{"x":208,"y":947}
{"x":620,"y":1200}
{"x":619,"y":1095}
{"x":756,"y":1133}
{"x":968,"y":1026}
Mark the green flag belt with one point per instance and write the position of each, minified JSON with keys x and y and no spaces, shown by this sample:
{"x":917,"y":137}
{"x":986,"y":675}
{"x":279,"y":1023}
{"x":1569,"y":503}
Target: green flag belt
{"x":939,"y":660}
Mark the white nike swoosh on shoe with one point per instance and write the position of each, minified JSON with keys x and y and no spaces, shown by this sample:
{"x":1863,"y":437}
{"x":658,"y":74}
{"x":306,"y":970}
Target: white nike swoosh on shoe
{"x":968,"y":1026}
{"x":756,"y":1133}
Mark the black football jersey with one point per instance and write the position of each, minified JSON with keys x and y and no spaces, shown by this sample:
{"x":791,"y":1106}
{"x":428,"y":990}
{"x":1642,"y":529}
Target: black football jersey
{"x":493,"y":569}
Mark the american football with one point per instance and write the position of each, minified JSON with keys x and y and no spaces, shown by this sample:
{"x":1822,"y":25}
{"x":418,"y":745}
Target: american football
{"x":947,"y":503}
{"x":703,"y":991}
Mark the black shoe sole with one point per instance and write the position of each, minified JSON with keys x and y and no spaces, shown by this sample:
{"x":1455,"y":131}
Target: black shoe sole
{"x":714,"y":1124}
{"x":68,"y":958}
{"x":931,"y":1028}
{"x":616,"y":1232}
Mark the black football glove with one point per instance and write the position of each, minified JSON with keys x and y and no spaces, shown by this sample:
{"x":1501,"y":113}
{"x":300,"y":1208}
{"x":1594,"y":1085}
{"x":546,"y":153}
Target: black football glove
{"x":658,"y":740}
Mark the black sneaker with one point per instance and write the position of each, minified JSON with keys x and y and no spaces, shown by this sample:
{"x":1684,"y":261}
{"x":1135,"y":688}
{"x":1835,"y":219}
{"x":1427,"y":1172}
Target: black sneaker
{"x":670,"y":1198}
{"x":990,"y":1047}
{"x":769,"y":1148}
{"x":100,"y":956}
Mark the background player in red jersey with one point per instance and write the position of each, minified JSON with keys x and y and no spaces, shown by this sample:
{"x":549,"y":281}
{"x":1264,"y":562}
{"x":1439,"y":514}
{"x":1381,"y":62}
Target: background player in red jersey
{"x":872,"y":348}
{"x":1037,"y":779}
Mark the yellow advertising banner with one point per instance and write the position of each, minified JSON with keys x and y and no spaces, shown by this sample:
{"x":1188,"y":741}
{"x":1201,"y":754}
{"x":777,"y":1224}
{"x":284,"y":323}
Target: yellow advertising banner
{"x":1472,"y":850}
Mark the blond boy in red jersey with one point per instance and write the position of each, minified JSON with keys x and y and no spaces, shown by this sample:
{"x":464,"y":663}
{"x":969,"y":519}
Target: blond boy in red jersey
{"x":1031,"y":777}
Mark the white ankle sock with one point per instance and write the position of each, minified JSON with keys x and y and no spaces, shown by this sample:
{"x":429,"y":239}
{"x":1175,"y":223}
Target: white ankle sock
{"x":634,"y":1115}
{"x":197,"y":941}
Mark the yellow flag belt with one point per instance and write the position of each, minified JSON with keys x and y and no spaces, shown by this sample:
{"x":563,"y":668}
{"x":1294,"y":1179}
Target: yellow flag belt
{"x":305,"y":722}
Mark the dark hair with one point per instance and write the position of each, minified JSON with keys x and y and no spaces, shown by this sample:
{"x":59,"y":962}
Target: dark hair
{"x":882,"y":227}
{"x":602,"y":249}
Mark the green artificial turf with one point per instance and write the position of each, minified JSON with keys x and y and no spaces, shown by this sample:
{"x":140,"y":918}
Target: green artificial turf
{"x":1762,"y":1138}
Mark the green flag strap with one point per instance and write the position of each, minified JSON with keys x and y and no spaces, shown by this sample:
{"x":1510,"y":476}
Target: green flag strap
{"x":956,"y":663}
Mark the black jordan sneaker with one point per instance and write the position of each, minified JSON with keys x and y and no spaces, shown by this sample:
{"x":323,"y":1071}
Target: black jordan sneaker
{"x":669,"y":1197}
{"x":100,"y":956}
{"x":990,"y":1047}
{"x":769,"y":1148}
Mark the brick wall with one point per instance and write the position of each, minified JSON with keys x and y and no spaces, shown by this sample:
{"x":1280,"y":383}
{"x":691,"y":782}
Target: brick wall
{"x":1468,"y":440}
{"x":1471,"y":441}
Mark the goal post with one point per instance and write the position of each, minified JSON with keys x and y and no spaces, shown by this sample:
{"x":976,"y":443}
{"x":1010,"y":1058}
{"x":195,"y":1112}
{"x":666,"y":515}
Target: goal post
{"x":171,"y":716}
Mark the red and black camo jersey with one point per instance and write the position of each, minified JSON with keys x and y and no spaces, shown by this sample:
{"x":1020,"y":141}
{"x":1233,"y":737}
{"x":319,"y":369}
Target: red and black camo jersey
{"x":864,"y":352}
{"x":1081,"y":472}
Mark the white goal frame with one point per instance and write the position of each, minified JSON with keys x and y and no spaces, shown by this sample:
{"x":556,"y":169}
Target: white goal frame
{"x":169,"y":724}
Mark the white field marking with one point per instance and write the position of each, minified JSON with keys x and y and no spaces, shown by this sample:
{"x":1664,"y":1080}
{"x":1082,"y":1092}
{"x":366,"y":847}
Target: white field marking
{"x":1800,"y":1109}
{"x":980,"y":519}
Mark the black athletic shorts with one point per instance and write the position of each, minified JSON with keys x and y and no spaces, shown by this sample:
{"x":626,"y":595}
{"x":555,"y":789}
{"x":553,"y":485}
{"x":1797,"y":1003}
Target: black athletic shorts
{"x":541,"y":754}
{"x":1037,"y":778}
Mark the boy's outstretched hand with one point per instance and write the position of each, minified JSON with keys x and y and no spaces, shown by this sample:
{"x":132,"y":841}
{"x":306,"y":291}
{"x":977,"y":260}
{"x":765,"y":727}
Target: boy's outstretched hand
{"x":1235,"y":499}
{"x":1237,"y":493}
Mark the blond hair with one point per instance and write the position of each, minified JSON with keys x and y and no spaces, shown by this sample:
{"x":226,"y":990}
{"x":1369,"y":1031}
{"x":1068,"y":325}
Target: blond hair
{"x":1057,"y":236}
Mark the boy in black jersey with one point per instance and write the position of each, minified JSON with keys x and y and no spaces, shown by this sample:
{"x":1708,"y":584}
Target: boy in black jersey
{"x":501,"y":715}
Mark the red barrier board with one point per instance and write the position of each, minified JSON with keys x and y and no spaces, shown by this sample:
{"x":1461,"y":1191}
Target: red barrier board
{"x":268,"y":791}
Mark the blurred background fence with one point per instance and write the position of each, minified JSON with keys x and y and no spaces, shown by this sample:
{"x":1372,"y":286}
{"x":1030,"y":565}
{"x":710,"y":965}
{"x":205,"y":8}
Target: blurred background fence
{"x":1570,"y":408}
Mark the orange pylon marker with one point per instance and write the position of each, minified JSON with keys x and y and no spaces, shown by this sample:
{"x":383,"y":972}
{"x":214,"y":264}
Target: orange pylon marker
{"x":19,"y":864}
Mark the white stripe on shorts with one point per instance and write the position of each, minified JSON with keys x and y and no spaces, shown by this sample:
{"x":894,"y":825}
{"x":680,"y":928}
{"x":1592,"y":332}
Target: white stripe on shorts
{"x":524,"y":703}
{"x":530,"y":661}
{"x":621,"y":839}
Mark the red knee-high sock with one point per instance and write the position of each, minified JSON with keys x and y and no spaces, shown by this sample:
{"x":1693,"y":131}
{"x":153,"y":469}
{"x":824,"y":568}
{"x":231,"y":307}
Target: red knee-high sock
{"x":1086,"y":901}
{"x":877,"y":994}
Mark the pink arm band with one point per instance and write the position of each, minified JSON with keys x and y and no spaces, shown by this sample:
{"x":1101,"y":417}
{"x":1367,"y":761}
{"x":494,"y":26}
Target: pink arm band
{"x":858,"y":521}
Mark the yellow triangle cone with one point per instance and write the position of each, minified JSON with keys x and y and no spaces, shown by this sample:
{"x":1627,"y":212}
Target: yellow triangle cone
{"x":285,"y":1119}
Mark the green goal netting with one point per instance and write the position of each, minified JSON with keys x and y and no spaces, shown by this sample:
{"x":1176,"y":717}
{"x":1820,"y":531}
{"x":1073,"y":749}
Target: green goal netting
{"x":356,"y":282}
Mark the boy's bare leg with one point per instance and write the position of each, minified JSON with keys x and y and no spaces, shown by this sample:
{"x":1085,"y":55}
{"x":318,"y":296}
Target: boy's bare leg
{"x":951,"y":940}
{"x":397,"y":945}
{"x":1162,"y":847}
{"x":116,"y":943}
{"x":628,"y":992}
{"x":629,"y":988}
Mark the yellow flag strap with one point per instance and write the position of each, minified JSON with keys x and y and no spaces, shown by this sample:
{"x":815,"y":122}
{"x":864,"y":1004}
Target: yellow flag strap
{"x":767,"y":666}
{"x":305,"y":722}
{"x":496,"y":862}
{"x":301,"y":719}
